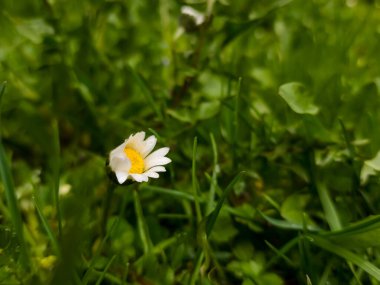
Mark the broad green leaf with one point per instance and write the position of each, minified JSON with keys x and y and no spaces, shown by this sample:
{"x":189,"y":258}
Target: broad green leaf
{"x":34,"y":29}
{"x":366,"y":172}
{"x":313,"y":128}
{"x":207,"y":110}
{"x":297,"y":98}
{"x":183,"y":115}
{"x":293,"y":208}
{"x":224,"y":230}
{"x":270,"y":278}
{"x":243,"y":250}
{"x":374,"y":162}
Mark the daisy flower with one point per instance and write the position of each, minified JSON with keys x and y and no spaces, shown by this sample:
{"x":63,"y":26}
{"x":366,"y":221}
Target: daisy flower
{"x":133,"y":159}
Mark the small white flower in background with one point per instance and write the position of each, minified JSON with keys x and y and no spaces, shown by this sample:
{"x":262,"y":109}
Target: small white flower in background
{"x":198,"y":17}
{"x":64,"y":189}
{"x":133,"y":159}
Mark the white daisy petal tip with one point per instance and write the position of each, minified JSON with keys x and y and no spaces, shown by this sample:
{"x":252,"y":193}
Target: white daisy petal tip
{"x":121,"y":177}
{"x":134,"y":160}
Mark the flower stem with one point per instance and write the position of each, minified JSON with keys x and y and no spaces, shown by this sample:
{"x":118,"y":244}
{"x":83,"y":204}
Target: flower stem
{"x":143,"y":230}
{"x":106,"y":208}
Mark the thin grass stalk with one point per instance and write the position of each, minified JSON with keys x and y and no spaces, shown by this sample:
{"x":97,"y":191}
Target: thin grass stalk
{"x":195,"y":183}
{"x":171,"y":192}
{"x":196,"y":271}
{"x":211,"y":196}
{"x":47,"y":228}
{"x":146,"y":92}
{"x":56,"y":165}
{"x":107,"y":206}
{"x":101,"y":277}
{"x":214,"y":215}
{"x":281,"y":252}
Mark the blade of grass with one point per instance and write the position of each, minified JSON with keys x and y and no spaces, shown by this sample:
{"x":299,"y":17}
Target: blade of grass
{"x":11,"y":199}
{"x":47,"y":228}
{"x":289,"y":245}
{"x":173,"y":216}
{"x":211,"y":219}
{"x":272,"y":202}
{"x":103,"y":242}
{"x":213,"y":183}
{"x":346,"y":254}
{"x":101,"y":277}
{"x":237,"y":30}
{"x":160,"y":247}
{"x":331,"y":213}
{"x":146,"y":91}
{"x":363,"y":226}
{"x":326,"y":273}
{"x":111,"y":278}
{"x":286,"y":224}
{"x":197,"y":267}
{"x":106,"y":206}
{"x":10,"y":196}
{"x":171,"y":192}
{"x":358,"y":196}
{"x":195,"y":183}
{"x":280,"y":253}
{"x":328,"y":206}
{"x":91,"y":264}
{"x":307,"y":261}
{"x":205,"y":229}
{"x":56,"y":165}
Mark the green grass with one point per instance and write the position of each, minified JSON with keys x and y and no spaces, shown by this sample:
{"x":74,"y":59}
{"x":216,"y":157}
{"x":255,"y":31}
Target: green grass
{"x":271,"y":113}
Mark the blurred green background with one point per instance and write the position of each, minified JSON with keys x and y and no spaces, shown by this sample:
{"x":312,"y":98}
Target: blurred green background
{"x":286,"y":91}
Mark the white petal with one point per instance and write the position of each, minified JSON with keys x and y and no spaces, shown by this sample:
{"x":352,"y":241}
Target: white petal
{"x":136,"y":142}
{"x":121,"y":176}
{"x":137,"y":138}
{"x":152,"y":174}
{"x":158,"y":169}
{"x":118,"y":163}
{"x":158,"y":153}
{"x":157,"y":161}
{"x":118,"y":150}
{"x":140,"y":177}
{"x":149,"y":145}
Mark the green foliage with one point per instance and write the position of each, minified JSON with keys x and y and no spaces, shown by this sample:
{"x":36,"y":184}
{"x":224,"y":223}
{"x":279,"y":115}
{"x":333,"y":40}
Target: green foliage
{"x":285,"y":92}
{"x":294,"y":94}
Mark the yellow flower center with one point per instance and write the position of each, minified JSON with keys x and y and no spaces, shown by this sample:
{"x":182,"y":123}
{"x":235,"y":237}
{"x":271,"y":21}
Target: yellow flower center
{"x":137,"y":162}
